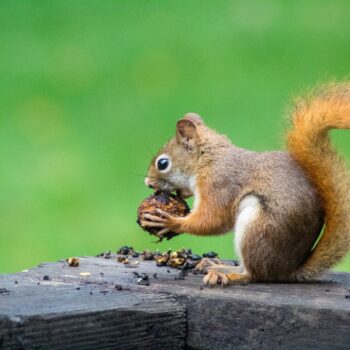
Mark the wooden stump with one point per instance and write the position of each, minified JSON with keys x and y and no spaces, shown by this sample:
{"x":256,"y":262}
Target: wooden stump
{"x":100,"y":305}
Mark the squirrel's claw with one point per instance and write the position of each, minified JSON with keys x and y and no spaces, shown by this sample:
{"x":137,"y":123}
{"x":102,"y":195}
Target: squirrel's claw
{"x":163,"y":232}
{"x":223,"y":277}
{"x":153,"y":221}
{"x":154,"y":218}
{"x":214,"y":277}
{"x":164,"y":214}
{"x":145,"y":223}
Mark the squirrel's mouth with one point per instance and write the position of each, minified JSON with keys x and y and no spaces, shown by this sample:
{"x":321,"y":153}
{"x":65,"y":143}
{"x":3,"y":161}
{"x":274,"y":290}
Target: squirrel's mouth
{"x":184,"y":193}
{"x":181,"y":192}
{"x":167,"y":186}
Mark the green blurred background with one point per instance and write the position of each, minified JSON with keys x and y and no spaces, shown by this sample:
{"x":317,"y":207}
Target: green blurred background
{"x":91,"y":89}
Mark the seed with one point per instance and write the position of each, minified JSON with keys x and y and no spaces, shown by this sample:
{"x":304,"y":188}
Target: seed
{"x":123,"y":259}
{"x":210,"y":254}
{"x":148,"y":255}
{"x":84,"y":274}
{"x":125,"y":250}
{"x":73,"y":262}
{"x":195,"y":257}
{"x":106,"y":255}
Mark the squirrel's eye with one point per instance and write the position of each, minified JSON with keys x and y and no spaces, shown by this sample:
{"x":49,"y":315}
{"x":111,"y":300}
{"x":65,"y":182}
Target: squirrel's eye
{"x":163,"y":163}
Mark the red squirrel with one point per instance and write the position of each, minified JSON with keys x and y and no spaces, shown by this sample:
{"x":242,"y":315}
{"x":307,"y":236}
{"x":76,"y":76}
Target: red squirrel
{"x":277,"y":203}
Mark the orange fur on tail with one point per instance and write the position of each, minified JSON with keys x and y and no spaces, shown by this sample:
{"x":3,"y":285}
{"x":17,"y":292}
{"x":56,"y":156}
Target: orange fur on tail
{"x":309,"y":144}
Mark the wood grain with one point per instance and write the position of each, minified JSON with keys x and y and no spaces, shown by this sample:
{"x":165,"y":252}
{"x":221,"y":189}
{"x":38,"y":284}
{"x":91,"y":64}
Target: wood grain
{"x":107,"y":309}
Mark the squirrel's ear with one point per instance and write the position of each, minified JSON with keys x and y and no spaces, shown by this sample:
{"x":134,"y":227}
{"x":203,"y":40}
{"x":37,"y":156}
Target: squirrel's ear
{"x":186,"y":133}
{"x":194,"y":118}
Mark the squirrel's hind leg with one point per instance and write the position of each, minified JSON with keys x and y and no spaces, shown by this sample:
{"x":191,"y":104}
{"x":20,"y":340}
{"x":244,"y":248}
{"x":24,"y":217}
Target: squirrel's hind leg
{"x":207,"y":264}
{"x":219,"y":273}
{"x":217,"y":276}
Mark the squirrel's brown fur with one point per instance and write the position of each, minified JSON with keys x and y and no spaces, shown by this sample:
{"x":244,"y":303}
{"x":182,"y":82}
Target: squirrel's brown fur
{"x":309,"y":144}
{"x":278,"y":202}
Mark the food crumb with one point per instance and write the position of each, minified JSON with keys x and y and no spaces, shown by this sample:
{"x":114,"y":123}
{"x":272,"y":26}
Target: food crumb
{"x":142,"y":279}
{"x":84,"y":274}
{"x":73,"y":262}
{"x":125,"y":250}
{"x":180,"y":276}
{"x":210,"y":254}
{"x":147,"y":255}
{"x":123,"y":259}
{"x":143,"y":282}
{"x":195,"y":257}
{"x":106,"y":255}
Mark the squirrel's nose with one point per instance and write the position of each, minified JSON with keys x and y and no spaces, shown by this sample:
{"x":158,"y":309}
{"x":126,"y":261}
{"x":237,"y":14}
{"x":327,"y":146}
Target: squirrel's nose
{"x":148,"y":183}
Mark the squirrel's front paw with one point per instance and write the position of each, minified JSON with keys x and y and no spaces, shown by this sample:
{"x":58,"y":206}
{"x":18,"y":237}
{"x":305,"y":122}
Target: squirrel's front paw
{"x":165,"y":222}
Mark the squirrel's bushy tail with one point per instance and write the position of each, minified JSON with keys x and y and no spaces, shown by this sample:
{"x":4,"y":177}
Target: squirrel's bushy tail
{"x":309,"y":144}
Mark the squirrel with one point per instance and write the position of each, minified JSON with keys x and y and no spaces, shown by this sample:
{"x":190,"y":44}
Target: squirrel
{"x":289,"y":210}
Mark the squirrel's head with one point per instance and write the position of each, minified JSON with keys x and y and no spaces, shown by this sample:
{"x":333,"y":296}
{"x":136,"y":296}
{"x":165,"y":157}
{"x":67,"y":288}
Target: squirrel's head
{"x":173,"y":168}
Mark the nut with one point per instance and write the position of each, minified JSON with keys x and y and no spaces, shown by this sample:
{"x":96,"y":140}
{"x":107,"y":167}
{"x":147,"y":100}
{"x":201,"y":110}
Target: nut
{"x":166,"y":201}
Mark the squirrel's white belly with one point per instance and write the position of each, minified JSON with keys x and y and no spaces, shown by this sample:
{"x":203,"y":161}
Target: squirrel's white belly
{"x":247,"y":212}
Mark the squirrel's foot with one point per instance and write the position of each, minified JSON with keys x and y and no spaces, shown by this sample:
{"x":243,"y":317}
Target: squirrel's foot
{"x":214,"y":277}
{"x":207,"y":263}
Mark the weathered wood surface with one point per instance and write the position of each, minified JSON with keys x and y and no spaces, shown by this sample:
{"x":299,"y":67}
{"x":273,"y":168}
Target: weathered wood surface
{"x":109,"y":310}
